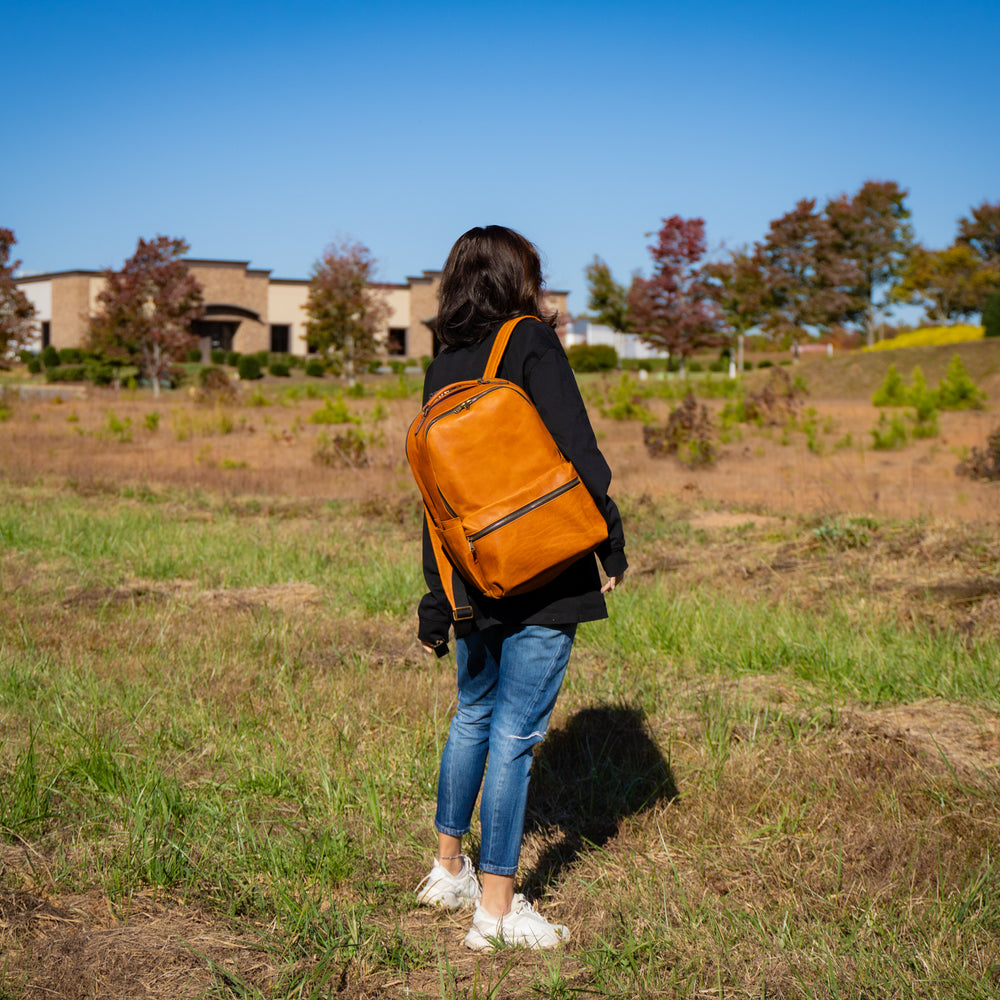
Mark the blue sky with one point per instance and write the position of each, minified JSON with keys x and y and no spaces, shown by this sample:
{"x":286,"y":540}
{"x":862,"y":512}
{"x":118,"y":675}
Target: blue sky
{"x":264,"y":131}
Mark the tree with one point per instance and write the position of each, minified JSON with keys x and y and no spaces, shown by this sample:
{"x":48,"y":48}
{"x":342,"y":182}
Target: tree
{"x":673,"y":310}
{"x":809,"y":280}
{"x":608,"y":300}
{"x":145,"y":310}
{"x":982,"y":232}
{"x":344,"y":312}
{"x":953,"y":282}
{"x":871,"y":231}
{"x":17,"y":312}
{"x":740,"y":288}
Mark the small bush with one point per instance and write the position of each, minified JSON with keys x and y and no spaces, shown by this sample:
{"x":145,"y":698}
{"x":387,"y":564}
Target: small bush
{"x":889,"y":433}
{"x":70,"y":356}
{"x":398,"y":367}
{"x":766,"y":363}
{"x":248,"y":368}
{"x":193,"y":355}
{"x":50,"y":357}
{"x":695,"y":366}
{"x":279,"y":369}
{"x":625,"y":402}
{"x":991,"y":315}
{"x":99,"y":374}
{"x":233,"y":358}
{"x":218,"y":356}
{"x":333,"y":411}
{"x":66,"y":373}
{"x":892,"y":391}
{"x":152,"y":420}
{"x":592,"y":357}
{"x":315,"y":368}
{"x":719,"y":365}
{"x":983,"y":463}
{"x":686,"y":435}
{"x":350,"y":449}
{"x":956,"y":391}
{"x":116,"y":428}
{"x":34,"y":364}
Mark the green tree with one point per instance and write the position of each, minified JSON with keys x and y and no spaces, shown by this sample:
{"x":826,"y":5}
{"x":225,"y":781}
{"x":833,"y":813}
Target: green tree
{"x":952,"y":283}
{"x":145,"y":310}
{"x":871,"y":230}
{"x":739,"y":285}
{"x":345,"y":313}
{"x":17,"y":312}
{"x":608,"y":300}
{"x":981,"y":231}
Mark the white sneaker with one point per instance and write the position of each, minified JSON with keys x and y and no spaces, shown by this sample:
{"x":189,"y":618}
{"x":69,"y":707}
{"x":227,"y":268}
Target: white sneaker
{"x":441,"y":888}
{"x":522,"y":926}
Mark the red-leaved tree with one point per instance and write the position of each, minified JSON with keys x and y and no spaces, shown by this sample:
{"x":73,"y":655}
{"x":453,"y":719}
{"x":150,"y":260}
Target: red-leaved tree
{"x":673,"y":309}
{"x":740,"y":287}
{"x":145,"y":310}
{"x":17,"y":312}
{"x":981,"y":232}
{"x":810,"y":280}
{"x":345,"y":313}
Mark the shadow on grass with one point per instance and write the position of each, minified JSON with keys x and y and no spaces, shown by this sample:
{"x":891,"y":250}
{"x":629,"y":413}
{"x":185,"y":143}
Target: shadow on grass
{"x":599,"y":768}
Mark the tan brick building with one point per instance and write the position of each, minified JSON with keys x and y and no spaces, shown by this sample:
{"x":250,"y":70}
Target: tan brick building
{"x":246,"y":309}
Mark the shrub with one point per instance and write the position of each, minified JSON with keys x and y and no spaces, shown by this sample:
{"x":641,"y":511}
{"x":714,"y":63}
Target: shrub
{"x":351,"y":449}
{"x":956,"y":391}
{"x":991,"y":315}
{"x":892,"y":391}
{"x":686,"y":435}
{"x":248,"y":367}
{"x":279,"y":369}
{"x":315,"y":368}
{"x":889,"y":433}
{"x":50,"y":357}
{"x":193,"y":355}
{"x":66,"y":373}
{"x":625,"y":402}
{"x":218,"y":356}
{"x":114,"y":427}
{"x":98,"y":373}
{"x":695,"y":366}
{"x":34,"y":364}
{"x":233,"y":358}
{"x":592,"y":357}
{"x":719,"y":365}
{"x":766,"y":363}
{"x":333,"y":411}
{"x":70,"y":356}
{"x":425,"y":361}
{"x":983,"y":463}
{"x":152,"y":420}
{"x":398,"y":367}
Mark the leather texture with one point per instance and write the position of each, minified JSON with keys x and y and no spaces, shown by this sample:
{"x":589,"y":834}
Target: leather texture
{"x":504,"y":506}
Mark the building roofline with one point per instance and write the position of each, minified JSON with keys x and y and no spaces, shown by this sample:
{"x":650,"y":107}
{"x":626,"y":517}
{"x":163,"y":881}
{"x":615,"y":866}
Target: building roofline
{"x":49,"y":275}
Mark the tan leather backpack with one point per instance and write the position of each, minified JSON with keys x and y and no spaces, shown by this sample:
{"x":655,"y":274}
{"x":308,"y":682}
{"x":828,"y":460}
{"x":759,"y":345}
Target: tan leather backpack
{"x":504,"y":507}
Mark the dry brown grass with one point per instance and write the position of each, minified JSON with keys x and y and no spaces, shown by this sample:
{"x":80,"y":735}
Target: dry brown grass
{"x":743,"y":810}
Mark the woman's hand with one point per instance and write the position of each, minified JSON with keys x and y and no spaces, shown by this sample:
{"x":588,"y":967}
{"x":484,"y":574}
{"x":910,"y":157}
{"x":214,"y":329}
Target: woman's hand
{"x":611,"y":583}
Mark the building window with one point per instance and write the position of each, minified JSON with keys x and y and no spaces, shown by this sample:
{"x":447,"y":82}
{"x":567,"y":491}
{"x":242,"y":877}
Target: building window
{"x":281,"y":335}
{"x":46,"y":333}
{"x":395,"y":343}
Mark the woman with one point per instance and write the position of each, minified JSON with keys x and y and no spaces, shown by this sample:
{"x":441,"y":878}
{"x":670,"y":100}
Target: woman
{"x":512,"y":656}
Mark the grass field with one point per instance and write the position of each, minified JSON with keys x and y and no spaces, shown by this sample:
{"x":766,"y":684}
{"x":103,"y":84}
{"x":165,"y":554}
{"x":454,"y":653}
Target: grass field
{"x":772,"y":773}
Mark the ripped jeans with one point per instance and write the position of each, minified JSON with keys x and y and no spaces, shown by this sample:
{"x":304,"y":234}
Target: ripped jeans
{"x":508,"y":680}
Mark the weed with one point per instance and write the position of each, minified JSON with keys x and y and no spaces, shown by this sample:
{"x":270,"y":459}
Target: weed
{"x":686,"y":435}
{"x":152,"y":420}
{"x":334,"y":411}
{"x":889,"y":433}
{"x":116,"y":429}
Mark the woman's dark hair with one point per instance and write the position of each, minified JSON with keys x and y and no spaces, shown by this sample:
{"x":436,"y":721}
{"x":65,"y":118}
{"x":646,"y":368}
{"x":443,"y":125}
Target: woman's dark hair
{"x":492,"y":274}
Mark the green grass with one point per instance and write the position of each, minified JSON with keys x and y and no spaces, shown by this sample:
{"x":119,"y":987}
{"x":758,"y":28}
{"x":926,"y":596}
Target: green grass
{"x":180,"y":723}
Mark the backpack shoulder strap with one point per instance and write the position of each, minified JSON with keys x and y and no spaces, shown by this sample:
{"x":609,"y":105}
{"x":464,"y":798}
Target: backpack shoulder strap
{"x":454,"y":588}
{"x":500,"y":345}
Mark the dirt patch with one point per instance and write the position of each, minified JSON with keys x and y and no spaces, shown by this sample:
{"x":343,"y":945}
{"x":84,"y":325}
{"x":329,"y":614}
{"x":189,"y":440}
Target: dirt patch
{"x":79,"y":950}
{"x":277,"y":596}
{"x":731,"y":519}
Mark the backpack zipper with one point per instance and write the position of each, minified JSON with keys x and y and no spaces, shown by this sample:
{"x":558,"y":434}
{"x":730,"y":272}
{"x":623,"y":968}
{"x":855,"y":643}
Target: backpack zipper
{"x":521,"y":511}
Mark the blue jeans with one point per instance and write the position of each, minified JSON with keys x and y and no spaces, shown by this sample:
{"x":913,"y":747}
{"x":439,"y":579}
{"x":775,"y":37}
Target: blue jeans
{"x":508,"y":680}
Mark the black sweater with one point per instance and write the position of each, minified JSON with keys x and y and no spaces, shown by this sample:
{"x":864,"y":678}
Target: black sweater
{"x":534,"y":360}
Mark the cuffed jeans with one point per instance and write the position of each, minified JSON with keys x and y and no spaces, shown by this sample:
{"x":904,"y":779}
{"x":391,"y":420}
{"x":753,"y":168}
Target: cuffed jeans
{"x":508,"y":680}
